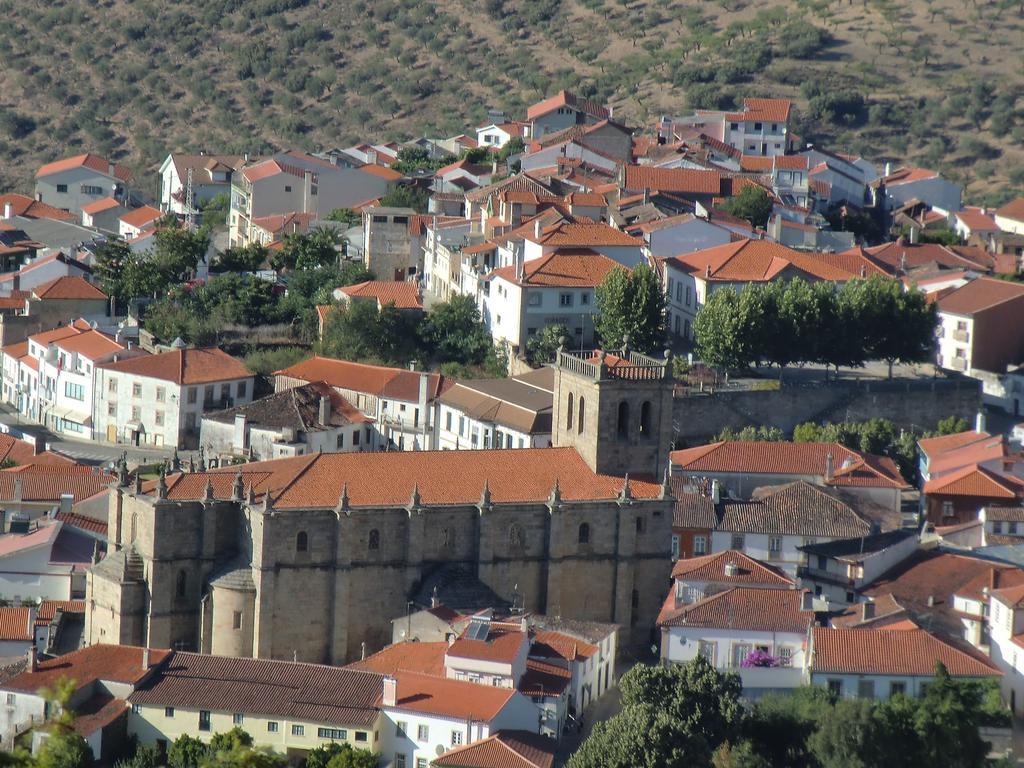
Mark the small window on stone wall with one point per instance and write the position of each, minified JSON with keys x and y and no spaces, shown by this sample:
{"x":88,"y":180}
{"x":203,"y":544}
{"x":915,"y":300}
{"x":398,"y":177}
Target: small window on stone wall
{"x":301,"y":542}
{"x":584,"y":533}
{"x":373,"y":542}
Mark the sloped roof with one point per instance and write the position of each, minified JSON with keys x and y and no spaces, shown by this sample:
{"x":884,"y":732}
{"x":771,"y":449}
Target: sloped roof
{"x":563,"y":268}
{"x":113,"y":663}
{"x":68,"y":287}
{"x":510,"y":402}
{"x":297,"y":408}
{"x":402,"y":294}
{"x":389,"y":479}
{"x":397,"y":383}
{"x":501,"y":646}
{"x":101,"y":205}
{"x":141,"y":216}
{"x":504,"y":749}
{"x":551,"y":644}
{"x":745,"y":608}
{"x":975,"y":480}
{"x":911,"y":652}
{"x":583,"y":233}
{"x":567,"y":99}
{"x":747,"y":260}
{"x":933,"y":446}
{"x":48,"y":482}
{"x":184,"y":366}
{"x":425,"y":658}
{"x":334,"y":695}
{"x":23,"y":205}
{"x":771,"y":110}
{"x":92,"y":162}
{"x":16,"y":624}
{"x":712,"y":568}
{"x":450,"y":698}
{"x":1014,"y":209}
{"x":980,"y":294}
{"x":785,"y":458}
{"x":686,"y":181}
{"x":796,"y":509}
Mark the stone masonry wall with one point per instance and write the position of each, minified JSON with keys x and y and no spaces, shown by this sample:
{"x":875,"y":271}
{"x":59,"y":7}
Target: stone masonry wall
{"x":919,"y":404}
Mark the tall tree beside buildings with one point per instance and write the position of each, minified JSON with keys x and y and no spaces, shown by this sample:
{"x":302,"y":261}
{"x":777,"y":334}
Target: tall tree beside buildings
{"x":753,"y":203}
{"x":631,"y":304}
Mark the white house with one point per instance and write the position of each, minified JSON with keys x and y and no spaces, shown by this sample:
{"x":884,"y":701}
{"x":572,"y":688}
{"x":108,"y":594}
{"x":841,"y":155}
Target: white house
{"x":836,"y":570}
{"x":563,"y":110}
{"x":211,"y":176}
{"x":133,"y":223}
{"x":880,"y":663}
{"x":425,"y":716}
{"x":727,"y":627}
{"x":400,"y":402}
{"x":499,"y":134}
{"x":497,"y":413}
{"x":104,"y":214}
{"x":558,"y":289}
{"x":906,"y":184}
{"x":302,"y":420}
{"x":159,"y":399}
{"x":74,"y":182}
{"x":973,"y":221}
{"x":1010,"y":216}
{"x":688,"y":232}
{"x":47,"y":561}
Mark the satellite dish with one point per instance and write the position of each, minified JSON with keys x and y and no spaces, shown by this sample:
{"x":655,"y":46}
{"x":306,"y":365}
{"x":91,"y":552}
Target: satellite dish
{"x":440,"y":750}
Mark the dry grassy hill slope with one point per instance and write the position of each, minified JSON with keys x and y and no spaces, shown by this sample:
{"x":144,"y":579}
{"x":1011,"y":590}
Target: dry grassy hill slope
{"x":935,"y":81}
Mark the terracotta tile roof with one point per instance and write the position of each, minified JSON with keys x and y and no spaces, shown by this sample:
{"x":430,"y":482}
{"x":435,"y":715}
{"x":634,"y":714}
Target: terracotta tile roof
{"x":712,"y":568}
{"x":1012,"y":596}
{"x":500,"y":646}
{"x":473,"y":169}
{"x":16,"y":624}
{"x":770,"y":110}
{"x":897,"y":255}
{"x":184,"y":366}
{"x":92,"y":162}
{"x":101,"y":205}
{"x":140,"y":217}
{"x":96,"y":713}
{"x":564,"y":268}
{"x":504,"y":749}
{"x":48,"y":609}
{"x":911,"y":652}
{"x":388,"y":479}
{"x":297,"y":408}
{"x":759,"y":163}
{"x":84,"y":522}
{"x":22,"y":205}
{"x":450,"y":698}
{"x":975,"y":480}
{"x":549,"y":644}
{"x":285,"y":222}
{"x":747,"y":260}
{"x":402,"y":294}
{"x":113,"y":663}
{"x":745,"y":608}
{"x":18,"y":451}
{"x":933,"y":446}
{"x":92,"y":345}
{"x":325,"y":694}
{"x":686,"y":181}
{"x":43,"y":482}
{"x":584,"y":233}
{"x":987,"y":582}
{"x":1005,"y":514}
{"x":397,"y":383}
{"x":543,"y":679}
{"x":521,"y":181}
{"x":567,"y":99}
{"x":932,"y":576}
{"x":783,"y":458}
{"x":693,"y":508}
{"x":971,"y":454}
{"x":264,"y":169}
{"x":980,"y":294}
{"x":886,"y":613}
{"x":384,"y":173}
{"x":796,"y":509}
{"x":68,"y":287}
{"x":907,"y":175}
{"x":425,"y":658}
{"x":1012,"y":210}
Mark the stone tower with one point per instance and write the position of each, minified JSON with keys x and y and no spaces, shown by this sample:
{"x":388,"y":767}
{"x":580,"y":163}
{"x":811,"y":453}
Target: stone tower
{"x":615,"y":409}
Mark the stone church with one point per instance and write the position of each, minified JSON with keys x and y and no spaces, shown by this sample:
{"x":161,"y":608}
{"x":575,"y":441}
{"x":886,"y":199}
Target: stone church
{"x":311,"y":557}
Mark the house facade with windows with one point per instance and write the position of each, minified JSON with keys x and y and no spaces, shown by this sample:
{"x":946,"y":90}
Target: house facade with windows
{"x":977,"y":326}
{"x":74,"y":182}
{"x":563,"y":110}
{"x":727,"y":627}
{"x":211,"y":176}
{"x":881,"y":663}
{"x":497,"y":413}
{"x":160,"y":399}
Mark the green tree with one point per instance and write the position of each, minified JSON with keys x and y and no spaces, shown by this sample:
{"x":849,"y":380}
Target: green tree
{"x":631,"y":304}
{"x":186,"y":752}
{"x":514,"y":146}
{"x":722,"y":340}
{"x":742,"y":755}
{"x":407,"y":196}
{"x":359,"y":331}
{"x":307,"y":250}
{"x":671,"y":717}
{"x":176,"y":254}
{"x":350,"y":757}
{"x":753,"y":203}
{"x":453,"y":332}
{"x":111,"y":257}
{"x":780,"y":725}
{"x":541,"y":347}
{"x":246,"y":258}
{"x":950,"y":425}
{"x":227,"y":741}
{"x":849,"y":736}
{"x":947,"y":723}
{"x":65,"y":749}
{"x":345,"y":216}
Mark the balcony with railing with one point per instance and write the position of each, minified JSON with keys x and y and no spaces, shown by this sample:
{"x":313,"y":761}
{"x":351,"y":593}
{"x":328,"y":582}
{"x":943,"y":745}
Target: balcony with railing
{"x":629,"y":365}
{"x":961,"y":335}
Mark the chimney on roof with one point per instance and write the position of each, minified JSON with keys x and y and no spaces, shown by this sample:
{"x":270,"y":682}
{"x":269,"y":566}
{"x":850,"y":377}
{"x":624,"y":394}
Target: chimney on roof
{"x":931,"y":601}
{"x":435,"y":598}
{"x":110,"y":169}
{"x":867,"y":611}
{"x":390,"y":697}
{"x":888,"y":170}
{"x":979,"y":421}
{"x":716,"y":492}
{"x":325,"y":409}
{"x":807,"y":601}
{"x":536,"y":228}
{"x":914,"y":232}
{"x":8,"y":211}
{"x":33,"y":658}
{"x":145,"y":658}
{"x":830,"y":466}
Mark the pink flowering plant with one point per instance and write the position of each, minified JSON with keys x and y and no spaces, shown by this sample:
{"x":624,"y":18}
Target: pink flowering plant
{"x":759,"y":658}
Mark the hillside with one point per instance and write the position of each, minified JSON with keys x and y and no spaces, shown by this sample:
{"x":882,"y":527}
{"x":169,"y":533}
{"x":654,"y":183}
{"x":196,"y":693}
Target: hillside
{"x":934,"y":81}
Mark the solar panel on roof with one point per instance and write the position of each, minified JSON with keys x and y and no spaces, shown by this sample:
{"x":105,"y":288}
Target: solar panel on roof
{"x":478,"y":630}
